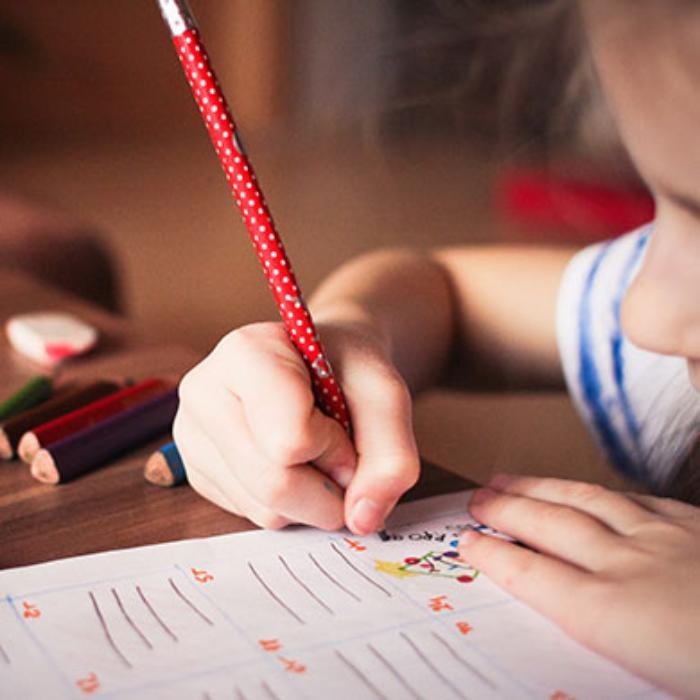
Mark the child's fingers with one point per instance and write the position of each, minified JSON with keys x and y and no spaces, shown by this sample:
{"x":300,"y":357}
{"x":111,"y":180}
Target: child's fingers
{"x":664,"y":506}
{"x":548,"y":585}
{"x":210,"y":476}
{"x":610,"y":507}
{"x":268,"y":375}
{"x":388,"y":463}
{"x":299,"y":492}
{"x":554,"y":529}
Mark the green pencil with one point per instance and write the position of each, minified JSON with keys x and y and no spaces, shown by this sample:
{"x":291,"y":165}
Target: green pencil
{"x":35,"y":391}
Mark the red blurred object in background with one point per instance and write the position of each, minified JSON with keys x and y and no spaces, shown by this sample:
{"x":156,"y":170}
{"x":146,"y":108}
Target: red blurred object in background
{"x":581,"y":210}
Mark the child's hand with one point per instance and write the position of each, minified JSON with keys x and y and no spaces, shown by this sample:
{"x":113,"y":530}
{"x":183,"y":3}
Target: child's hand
{"x":620,"y":573}
{"x":254,"y":442}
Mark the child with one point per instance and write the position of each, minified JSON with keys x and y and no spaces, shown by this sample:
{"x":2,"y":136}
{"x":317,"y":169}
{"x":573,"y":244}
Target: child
{"x":618,"y":572}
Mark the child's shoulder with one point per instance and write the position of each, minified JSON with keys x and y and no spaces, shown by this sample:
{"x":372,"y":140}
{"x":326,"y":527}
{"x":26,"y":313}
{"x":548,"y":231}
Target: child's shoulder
{"x":640,"y":406}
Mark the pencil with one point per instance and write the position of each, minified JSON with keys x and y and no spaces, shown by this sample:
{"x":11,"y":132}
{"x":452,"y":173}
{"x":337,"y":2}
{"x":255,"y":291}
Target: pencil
{"x":253,"y":207}
{"x":14,"y":428}
{"x":34,"y":392}
{"x":64,"y":426}
{"x":89,"y":448}
{"x":164,"y":467}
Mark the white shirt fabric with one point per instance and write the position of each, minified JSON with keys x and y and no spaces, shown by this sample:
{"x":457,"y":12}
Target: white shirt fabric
{"x":640,"y":407}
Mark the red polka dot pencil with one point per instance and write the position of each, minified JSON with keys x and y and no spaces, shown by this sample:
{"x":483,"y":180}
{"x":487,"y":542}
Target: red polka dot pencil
{"x":249,"y":198}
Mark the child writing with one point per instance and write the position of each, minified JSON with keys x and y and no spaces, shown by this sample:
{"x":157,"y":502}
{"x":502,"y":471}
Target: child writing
{"x":619,"y":322}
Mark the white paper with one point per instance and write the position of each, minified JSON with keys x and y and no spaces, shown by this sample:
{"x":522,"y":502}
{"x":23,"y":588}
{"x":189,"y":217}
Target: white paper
{"x":293,"y":614}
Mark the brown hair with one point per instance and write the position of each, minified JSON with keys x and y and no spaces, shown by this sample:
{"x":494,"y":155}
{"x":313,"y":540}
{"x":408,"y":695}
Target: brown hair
{"x":516,"y":69}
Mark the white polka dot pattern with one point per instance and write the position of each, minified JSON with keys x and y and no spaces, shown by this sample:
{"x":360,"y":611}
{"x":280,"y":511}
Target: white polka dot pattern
{"x":258,"y":220}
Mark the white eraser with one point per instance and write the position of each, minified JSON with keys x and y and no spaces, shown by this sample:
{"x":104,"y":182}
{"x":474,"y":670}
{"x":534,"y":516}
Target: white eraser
{"x":51,"y":337}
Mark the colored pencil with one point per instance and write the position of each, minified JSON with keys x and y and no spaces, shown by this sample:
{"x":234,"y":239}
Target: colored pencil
{"x":164,"y":467}
{"x":64,"y":426}
{"x":34,"y":392}
{"x":254,"y":209}
{"x":12,"y":429}
{"x":87,"y":449}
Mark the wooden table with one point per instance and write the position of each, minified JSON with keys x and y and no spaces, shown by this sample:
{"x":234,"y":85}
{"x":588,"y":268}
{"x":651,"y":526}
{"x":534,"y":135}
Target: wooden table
{"x":113,"y":507}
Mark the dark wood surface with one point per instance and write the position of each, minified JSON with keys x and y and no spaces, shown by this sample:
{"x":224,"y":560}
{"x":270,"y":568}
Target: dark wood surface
{"x":113,"y":507}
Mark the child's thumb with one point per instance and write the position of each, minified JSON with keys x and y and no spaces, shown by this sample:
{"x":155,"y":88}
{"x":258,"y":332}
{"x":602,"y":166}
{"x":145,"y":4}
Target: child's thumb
{"x":388,"y":463}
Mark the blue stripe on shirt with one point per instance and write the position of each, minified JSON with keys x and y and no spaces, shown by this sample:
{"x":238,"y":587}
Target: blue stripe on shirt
{"x":617,"y":340}
{"x":589,"y":376}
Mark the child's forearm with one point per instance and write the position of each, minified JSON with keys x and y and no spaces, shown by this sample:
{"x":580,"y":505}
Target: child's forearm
{"x":402,"y":296}
{"x":482,"y":315}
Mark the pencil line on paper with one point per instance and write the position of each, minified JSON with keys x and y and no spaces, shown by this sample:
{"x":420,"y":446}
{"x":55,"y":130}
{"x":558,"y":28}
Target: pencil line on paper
{"x":288,"y":568}
{"x":368,"y":683}
{"x":270,"y":693}
{"x":107,"y":633}
{"x":156,"y":616}
{"x":432,"y":666}
{"x":186,"y":600}
{"x":464,"y":662}
{"x":274,"y":596}
{"x":4,"y":656}
{"x":394,"y":672}
{"x":359,"y":571}
{"x":332,"y":579}
{"x":127,"y":617}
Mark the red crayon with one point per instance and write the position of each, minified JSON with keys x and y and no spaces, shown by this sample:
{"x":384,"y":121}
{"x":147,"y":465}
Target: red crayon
{"x":12,"y":430}
{"x":66,"y":425}
{"x":94,"y":445}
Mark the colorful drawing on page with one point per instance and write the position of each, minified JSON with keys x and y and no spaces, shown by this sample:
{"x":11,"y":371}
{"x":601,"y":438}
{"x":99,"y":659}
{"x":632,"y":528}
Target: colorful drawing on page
{"x":442,"y":564}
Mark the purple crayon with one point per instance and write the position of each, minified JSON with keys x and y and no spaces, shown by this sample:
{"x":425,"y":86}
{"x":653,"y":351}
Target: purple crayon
{"x":89,"y":448}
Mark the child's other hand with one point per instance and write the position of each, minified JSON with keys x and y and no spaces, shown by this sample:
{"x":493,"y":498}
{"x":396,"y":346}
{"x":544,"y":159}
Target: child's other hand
{"x":620,"y":573}
{"x":254,"y":442}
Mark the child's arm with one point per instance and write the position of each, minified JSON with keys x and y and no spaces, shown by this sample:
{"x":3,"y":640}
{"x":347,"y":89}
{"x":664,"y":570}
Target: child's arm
{"x":248,"y":429}
{"x":617,"y":572}
{"x":485,"y":314}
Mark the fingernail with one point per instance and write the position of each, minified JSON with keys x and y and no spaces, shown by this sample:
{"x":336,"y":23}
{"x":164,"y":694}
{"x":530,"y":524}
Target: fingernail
{"x":366,"y":516}
{"x":481,"y":496}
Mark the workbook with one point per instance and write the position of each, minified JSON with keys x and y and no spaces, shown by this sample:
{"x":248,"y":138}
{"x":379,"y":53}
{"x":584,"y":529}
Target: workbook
{"x":299,"y":613}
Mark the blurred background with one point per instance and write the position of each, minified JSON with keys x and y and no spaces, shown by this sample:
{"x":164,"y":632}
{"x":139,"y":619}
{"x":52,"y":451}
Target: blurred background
{"x":381,"y":122}
{"x":373,"y":123}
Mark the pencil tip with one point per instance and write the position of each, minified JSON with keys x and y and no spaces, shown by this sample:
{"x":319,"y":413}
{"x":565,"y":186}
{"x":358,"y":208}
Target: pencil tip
{"x":28,"y":447}
{"x":157,"y":471}
{"x":44,"y":469}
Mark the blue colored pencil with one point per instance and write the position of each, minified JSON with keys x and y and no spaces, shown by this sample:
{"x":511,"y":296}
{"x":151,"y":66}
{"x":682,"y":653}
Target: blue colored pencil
{"x":164,"y":467}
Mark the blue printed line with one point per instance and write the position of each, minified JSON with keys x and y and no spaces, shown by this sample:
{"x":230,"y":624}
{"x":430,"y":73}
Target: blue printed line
{"x":589,"y":377}
{"x":617,"y":340}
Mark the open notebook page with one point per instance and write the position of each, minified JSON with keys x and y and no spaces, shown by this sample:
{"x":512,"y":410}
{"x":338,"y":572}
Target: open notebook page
{"x":299,"y":613}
